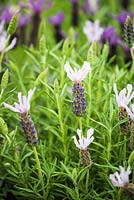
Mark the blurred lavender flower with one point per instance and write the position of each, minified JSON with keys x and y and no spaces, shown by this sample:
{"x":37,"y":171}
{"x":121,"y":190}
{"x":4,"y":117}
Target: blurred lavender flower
{"x":56,"y":21}
{"x":75,"y":12}
{"x":93,"y":31}
{"x":23,"y":20}
{"x":83,"y":144}
{"x":109,"y":35}
{"x":91,"y":6}
{"x":77,"y":76}
{"x":121,"y":18}
{"x":37,"y":7}
{"x":122,"y":179}
{"x":3,"y":39}
{"x":7,"y":14}
{"x":26,"y":122}
{"x":22,"y":23}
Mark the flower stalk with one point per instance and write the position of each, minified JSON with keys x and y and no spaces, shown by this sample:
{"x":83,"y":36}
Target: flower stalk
{"x":39,"y":169}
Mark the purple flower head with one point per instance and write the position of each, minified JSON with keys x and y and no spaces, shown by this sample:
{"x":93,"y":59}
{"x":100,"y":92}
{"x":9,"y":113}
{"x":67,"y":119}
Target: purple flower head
{"x":36,"y":6}
{"x":91,"y":6}
{"x":110,"y":35}
{"x":121,"y":18}
{"x":74,"y":1}
{"x":57,"y":19}
{"x":23,"y":20}
{"x":6,"y":14}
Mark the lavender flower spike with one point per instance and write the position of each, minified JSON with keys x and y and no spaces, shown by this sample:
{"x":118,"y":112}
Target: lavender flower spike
{"x":26,"y":122}
{"x":122,"y":179}
{"x":79,"y":101}
{"x":93,"y":31}
{"x":82,"y":144}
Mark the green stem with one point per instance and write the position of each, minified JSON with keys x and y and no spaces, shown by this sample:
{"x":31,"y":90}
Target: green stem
{"x":39,"y":169}
{"x":132,"y":67}
{"x":133,"y":176}
{"x":77,"y":192}
{"x":109,"y":146}
{"x":80,"y":123}
{"x":99,"y":86}
{"x":59,"y":105}
{"x":89,"y":99}
{"x":18,"y":162}
{"x":87,"y":182}
{"x":119,"y":194}
{"x":124,"y":149}
{"x":62,"y":74}
{"x":3,"y":52}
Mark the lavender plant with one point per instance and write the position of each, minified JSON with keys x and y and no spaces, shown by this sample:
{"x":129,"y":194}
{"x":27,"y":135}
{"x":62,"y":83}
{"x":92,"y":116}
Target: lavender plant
{"x":47,"y":166}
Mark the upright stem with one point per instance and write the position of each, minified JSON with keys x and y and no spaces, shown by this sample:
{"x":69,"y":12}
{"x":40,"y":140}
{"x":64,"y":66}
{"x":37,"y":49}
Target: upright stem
{"x":59,"y":105}
{"x":124,"y":148}
{"x":132,"y":55}
{"x":109,"y":146}
{"x":17,"y":158}
{"x":119,"y":194}
{"x":99,"y":86}
{"x":3,"y":52}
{"x":80,"y":123}
{"x":39,"y":169}
{"x":89,"y":99}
